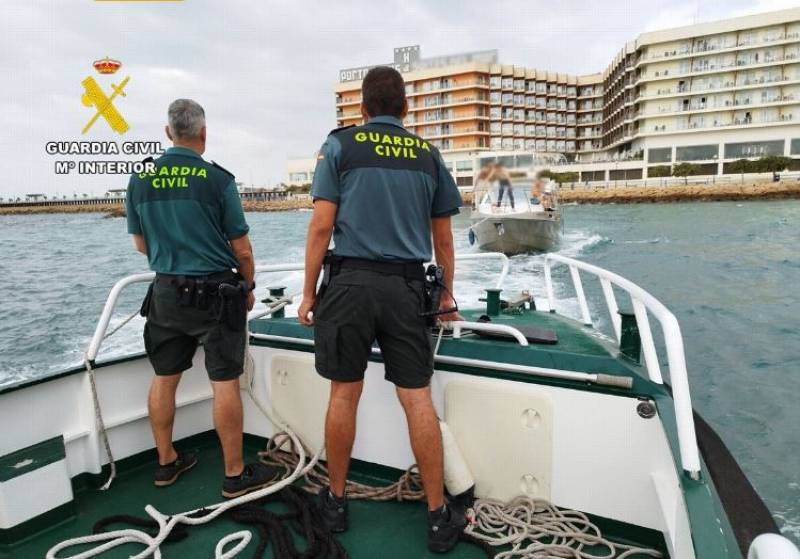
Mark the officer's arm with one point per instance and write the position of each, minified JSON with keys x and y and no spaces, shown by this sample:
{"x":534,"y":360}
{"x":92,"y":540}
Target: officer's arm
{"x":138,"y":242}
{"x":243,"y":251}
{"x":443,"y":248}
{"x":320,"y":230}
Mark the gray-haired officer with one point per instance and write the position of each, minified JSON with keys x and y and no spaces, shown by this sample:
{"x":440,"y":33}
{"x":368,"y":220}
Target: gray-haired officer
{"x":187,"y":218}
{"x":382,"y":192}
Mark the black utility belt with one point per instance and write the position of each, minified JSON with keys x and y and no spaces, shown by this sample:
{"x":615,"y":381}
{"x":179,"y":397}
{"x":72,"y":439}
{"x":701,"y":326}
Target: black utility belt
{"x":408,"y":270}
{"x":224,"y":293}
{"x":175,"y":279}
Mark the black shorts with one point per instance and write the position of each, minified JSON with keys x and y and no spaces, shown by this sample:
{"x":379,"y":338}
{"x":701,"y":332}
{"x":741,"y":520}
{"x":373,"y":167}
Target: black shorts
{"x":172,"y":333}
{"x":360,"y":307}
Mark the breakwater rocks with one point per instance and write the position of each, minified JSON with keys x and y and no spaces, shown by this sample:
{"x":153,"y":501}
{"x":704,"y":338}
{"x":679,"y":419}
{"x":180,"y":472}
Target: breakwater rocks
{"x":682,"y":193}
{"x":117,"y":210}
{"x":58,"y":209}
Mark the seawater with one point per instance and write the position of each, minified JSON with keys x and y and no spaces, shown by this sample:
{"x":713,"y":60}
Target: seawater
{"x":729,"y":271}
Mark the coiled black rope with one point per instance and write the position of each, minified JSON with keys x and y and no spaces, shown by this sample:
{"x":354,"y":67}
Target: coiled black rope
{"x":302,"y":519}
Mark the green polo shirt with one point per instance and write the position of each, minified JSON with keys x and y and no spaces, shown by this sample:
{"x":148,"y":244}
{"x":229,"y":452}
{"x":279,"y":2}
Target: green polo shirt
{"x":388,"y":184}
{"x":187,"y":211}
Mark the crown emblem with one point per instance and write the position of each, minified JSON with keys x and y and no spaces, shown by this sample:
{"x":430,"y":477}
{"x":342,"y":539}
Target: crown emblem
{"x":106,"y":65}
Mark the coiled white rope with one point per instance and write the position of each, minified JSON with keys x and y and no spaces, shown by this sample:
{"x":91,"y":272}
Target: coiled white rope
{"x":537,"y":529}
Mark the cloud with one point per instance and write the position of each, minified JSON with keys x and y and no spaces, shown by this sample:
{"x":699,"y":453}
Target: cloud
{"x":265,"y":71}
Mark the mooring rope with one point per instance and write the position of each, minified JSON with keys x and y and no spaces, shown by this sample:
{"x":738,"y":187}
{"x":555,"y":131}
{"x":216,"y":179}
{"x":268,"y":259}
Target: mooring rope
{"x":535,"y":528}
{"x":98,"y":413}
{"x":407,"y":488}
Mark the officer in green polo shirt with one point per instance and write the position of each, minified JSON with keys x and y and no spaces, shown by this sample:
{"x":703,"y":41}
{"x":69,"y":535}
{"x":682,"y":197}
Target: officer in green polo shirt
{"x":385,"y":196}
{"x":187,"y":218}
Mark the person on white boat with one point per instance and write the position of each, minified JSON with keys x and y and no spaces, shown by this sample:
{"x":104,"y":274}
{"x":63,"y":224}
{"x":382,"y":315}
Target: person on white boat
{"x":186,"y":217}
{"x":548,"y":201}
{"x":504,"y":185}
{"x":386,"y":197}
{"x":483,"y":184}
{"x":536,"y":187}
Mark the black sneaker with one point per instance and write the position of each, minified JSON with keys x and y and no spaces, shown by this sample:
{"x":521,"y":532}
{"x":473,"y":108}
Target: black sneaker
{"x":166,"y":475}
{"x":333,"y":510}
{"x":445,"y":526}
{"x":254,"y":476}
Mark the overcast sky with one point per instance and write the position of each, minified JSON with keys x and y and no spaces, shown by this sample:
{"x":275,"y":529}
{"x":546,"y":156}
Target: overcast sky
{"x":264,"y":71}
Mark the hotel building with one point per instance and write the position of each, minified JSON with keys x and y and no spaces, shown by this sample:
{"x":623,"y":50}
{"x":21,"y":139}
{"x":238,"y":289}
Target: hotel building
{"x":708,"y":94}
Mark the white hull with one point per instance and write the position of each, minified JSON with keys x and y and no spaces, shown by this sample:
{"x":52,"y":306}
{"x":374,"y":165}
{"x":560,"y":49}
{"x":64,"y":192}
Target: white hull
{"x":633,"y":477}
{"x":517,"y":233}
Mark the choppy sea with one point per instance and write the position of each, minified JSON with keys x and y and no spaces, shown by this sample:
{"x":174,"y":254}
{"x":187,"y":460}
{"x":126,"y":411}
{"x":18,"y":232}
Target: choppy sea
{"x":729,"y":271}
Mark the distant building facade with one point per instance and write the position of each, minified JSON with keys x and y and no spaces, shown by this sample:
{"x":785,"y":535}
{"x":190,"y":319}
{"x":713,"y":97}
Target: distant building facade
{"x":708,"y":94}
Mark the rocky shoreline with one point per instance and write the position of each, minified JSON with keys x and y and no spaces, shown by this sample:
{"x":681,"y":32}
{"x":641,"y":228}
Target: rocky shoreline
{"x":682,"y":193}
{"x":594,"y":195}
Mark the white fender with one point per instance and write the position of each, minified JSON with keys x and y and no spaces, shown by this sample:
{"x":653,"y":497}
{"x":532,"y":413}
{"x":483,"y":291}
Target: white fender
{"x":457,"y":476}
{"x":772,"y":546}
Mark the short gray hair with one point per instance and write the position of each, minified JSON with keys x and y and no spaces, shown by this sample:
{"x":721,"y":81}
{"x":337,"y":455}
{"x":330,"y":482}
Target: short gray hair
{"x":186,"y":118}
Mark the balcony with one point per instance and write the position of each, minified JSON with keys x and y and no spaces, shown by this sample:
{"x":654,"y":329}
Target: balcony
{"x":720,"y":48}
{"x":745,"y":84}
{"x":450,"y":86}
{"x":786,"y":118}
{"x":712,"y":69}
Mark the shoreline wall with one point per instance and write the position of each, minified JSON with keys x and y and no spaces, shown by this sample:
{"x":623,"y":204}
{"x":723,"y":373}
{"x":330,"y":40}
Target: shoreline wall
{"x":683,"y":193}
{"x":594,"y":195}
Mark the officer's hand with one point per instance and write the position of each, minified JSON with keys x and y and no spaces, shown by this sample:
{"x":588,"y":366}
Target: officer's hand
{"x":445,"y":303}
{"x":304,"y":313}
{"x":251,"y":300}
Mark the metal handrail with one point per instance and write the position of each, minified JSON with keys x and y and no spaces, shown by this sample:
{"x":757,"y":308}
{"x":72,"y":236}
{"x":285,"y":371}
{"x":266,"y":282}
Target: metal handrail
{"x":113,"y":296}
{"x":458,"y":325}
{"x":642,"y":302}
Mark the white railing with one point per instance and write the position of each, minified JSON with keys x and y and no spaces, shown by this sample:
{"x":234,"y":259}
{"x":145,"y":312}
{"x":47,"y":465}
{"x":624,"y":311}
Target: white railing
{"x":113,"y":296}
{"x":642,"y":302}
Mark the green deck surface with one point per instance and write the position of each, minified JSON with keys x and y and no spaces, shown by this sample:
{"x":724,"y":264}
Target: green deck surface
{"x":388,"y":530}
{"x":578,"y":349}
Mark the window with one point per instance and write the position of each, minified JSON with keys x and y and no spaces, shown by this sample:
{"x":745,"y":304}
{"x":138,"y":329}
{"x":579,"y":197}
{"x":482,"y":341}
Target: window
{"x":753,"y":149}
{"x":494,"y":127}
{"x":494,"y":81}
{"x":795,"y":146}
{"x":696,"y":153}
{"x":524,"y":160}
{"x":465,"y":165}
{"x":659,"y":155}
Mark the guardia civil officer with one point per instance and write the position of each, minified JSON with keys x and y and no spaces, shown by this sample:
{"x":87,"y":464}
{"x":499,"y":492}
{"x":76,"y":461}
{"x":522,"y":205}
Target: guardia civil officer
{"x":187,"y":218}
{"x":382,"y":193}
